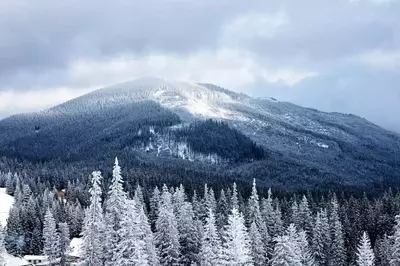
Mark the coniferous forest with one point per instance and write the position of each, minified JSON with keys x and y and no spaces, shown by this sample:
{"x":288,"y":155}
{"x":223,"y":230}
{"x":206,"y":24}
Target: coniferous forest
{"x":142,"y":224}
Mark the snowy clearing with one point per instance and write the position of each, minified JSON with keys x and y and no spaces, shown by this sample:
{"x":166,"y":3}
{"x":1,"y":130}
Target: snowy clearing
{"x":6,"y":201}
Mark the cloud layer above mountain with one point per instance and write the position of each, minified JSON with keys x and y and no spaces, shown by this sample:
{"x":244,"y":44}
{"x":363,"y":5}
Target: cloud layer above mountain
{"x":334,"y":55}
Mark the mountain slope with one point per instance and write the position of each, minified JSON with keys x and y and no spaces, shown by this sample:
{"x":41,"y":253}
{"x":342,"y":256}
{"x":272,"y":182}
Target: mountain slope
{"x":162,"y":120}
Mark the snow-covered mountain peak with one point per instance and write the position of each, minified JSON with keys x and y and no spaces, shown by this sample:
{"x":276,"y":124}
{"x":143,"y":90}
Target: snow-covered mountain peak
{"x":203,"y":100}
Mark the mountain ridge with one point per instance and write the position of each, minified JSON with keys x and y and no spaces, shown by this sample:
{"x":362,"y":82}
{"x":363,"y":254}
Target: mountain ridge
{"x":147,"y":116}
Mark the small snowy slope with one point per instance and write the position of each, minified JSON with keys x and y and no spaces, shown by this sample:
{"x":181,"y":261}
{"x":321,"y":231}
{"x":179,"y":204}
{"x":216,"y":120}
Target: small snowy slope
{"x":75,"y":247}
{"x":14,"y":261}
{"x":6,"y":201}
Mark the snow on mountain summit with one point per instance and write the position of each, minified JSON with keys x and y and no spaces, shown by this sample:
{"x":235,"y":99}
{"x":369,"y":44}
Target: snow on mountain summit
{"x":202,"y":100}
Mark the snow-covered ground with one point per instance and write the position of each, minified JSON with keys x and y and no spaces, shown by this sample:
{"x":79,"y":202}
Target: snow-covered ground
{"x":6,"y":201}
{"x":75,"y":247}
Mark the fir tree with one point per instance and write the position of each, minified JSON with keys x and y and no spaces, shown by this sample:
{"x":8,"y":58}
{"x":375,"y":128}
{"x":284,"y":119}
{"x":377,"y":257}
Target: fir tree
{"x":2,"y":247}
{"x":147,"y":236}
{"x":188,"y":235}
{"x":115,"y":209}
{"x":210,"y":243}
{"x":93,"y":227}
{"x":284,"y":254}
{"x":236,"y":247}
{"x":167,"y":235}
{"x":131,"y":249}
{"x":395,"y":256}
{"x":258,"y":251}
{"x":64,"y":240}
{"x":337,"y":254}
{"x":51,"y":247}
{"x":365,"y":255}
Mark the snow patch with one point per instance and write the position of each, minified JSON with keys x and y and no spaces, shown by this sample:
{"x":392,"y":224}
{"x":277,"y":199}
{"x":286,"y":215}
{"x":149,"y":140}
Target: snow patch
{"x":6,"y":203}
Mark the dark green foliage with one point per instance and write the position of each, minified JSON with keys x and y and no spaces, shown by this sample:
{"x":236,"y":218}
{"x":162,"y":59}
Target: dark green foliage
{"x":213,"y":137}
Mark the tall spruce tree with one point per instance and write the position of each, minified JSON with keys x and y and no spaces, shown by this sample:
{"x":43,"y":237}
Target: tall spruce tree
{"x":51,"y":247}
{"x":365,"y":254}
{"x":210,"y":243}
{"x":115,"y":210}
{"x":236,"y":247}
{"x":167,"y":234}
{"x":93,"y":226}
{"x":64,"y":239}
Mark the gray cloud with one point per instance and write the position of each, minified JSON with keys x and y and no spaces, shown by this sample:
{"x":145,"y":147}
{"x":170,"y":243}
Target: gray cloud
{"x":340,"y":55}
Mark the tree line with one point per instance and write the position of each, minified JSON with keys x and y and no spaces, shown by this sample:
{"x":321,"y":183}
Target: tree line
{"x":173,"y":225}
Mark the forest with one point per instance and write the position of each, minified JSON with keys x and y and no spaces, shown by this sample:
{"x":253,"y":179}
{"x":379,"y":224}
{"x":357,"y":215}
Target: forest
{"x":234,"y":224}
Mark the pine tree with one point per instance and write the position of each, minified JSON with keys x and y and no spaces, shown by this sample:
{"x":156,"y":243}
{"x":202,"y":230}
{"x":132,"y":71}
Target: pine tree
{"x":147,"y":235}
{"x":115,"y":209}
{"x":258,"y":251}
{"x":131,"y":249}
{"x":306,"y":256}
{"x":222,"y":212}
{"x":234,"y":198}
{"x":395,"y":256}
{"x":10,"y":184}
{"x":2,"y":248}
{"x":154,"y":206}
{"x":236,"y":247}
{"x":383,"y":251}
{"x":14,"y":239}
{"x":51,"y":247}
{"x":305,"y":219}
{"x":284,"y":254}
{"x":93,"y":227}
{"x":188,"y":235}
{"x":64,"y":240}
{"x":167,"y":235}
{"x":337,"y":254}
{"x":258,"y":229}
{"x":210,"y":243}
{"x":321,"y":238}
{"x":365,"y":255}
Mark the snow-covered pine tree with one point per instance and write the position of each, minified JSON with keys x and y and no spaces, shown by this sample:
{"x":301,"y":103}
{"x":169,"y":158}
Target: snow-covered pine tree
{"x":234,"y":199}
{"x":10,"y":188}
{"x":365,"y":254}
{"x":189,"y":238}
{"x":139,"y":195}
{"x":383,"y":251}
{"x":147,"y":235}
{"x":222,"y":211}
{"x":305,"y":219}
{"x":131,"y":249}
{"x":338,"y":253}
{"x":236,"y":247}
{"x":167,"y":235}
{"x":64,"y":241}
{"x":93,"y":226}
{"x":258,"y":229}
{"x":114,"y":212}
{"x":283,"y":254}
{"x":395,"y":256}
{"x":295,"y":215}
{"x":51,"y":243}
{"x":210,"y":243}
{"x":307,"y":258}
{"x":258,"y":251}
{"x":2,"y":248}
{"x":154,"y":205}
{"x":321,"y":238}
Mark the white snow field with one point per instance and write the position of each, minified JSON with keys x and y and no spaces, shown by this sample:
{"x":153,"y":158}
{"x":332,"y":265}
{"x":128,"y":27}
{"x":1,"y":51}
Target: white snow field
{"x":6,"y":201}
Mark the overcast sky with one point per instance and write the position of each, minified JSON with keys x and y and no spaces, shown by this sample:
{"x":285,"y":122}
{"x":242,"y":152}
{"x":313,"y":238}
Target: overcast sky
{"x":333,"y":55}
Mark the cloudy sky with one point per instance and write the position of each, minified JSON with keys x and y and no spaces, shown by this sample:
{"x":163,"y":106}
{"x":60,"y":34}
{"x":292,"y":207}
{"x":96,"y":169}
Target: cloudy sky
{"x":333,"y":55}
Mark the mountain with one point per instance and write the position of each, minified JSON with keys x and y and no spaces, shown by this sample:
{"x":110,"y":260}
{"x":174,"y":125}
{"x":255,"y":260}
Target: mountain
{"x":210,"y":129}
